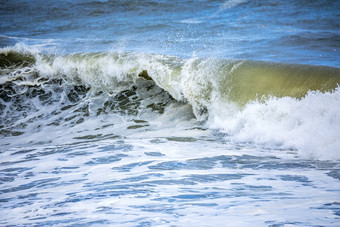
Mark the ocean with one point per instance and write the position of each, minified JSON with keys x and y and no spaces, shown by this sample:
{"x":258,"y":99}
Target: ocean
{"x":169,"y":113}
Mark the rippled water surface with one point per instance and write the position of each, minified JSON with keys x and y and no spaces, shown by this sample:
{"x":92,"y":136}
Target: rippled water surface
{"x":169,"y":113}
{"x":165,"y":181}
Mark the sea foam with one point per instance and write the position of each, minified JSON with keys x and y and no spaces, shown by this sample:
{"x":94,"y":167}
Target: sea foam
{"x":310,"y":125}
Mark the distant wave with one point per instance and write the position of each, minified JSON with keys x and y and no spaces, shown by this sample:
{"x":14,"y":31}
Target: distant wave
{"x":231,"y":3}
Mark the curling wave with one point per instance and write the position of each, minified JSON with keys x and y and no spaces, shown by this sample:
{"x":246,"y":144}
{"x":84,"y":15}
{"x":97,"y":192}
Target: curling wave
{"x":287,"y":105}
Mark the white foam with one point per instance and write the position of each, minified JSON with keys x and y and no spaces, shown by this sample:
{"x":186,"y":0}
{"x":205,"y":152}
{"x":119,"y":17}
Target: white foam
{"x":310,"y":125}
{"x":191,"y":21}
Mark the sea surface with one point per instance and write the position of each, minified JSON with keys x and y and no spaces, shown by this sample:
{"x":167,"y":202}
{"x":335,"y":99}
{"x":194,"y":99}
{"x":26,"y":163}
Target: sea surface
{"x":169,"y":113}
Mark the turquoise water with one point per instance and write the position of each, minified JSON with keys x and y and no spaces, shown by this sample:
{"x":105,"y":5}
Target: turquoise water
{"x":169,"y":113}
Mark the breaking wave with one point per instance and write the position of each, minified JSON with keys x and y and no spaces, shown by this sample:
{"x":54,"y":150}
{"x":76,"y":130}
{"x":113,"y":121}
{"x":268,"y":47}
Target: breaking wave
{"x":286,"y":105}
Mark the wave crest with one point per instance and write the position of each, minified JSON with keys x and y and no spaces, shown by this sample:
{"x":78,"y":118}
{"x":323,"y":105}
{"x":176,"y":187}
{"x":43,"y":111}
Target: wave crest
{"x":287,"y":105}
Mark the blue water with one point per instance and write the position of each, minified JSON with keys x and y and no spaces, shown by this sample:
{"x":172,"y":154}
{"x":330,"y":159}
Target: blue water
{"x":86,"y":139}
{"x":282,"y":31}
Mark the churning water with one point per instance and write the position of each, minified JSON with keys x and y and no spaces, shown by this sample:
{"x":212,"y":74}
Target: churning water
{"x":169,"y":113}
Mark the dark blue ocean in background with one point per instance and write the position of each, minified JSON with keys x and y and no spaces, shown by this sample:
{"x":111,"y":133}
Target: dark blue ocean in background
{"x":281,"y":31}
{"x":169,"y":113}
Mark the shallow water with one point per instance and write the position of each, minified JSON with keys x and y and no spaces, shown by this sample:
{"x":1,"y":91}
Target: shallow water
{"x":169,"y":113}
{"x":166,"y":181}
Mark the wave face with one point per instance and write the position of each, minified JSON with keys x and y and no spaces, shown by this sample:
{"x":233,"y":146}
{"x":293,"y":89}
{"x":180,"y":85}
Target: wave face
{"x":280,"y":105}
{"x":45,"y":91}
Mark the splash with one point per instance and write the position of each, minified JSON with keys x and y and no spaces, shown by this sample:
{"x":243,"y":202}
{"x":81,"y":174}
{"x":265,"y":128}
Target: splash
{"x":282,"y":105}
